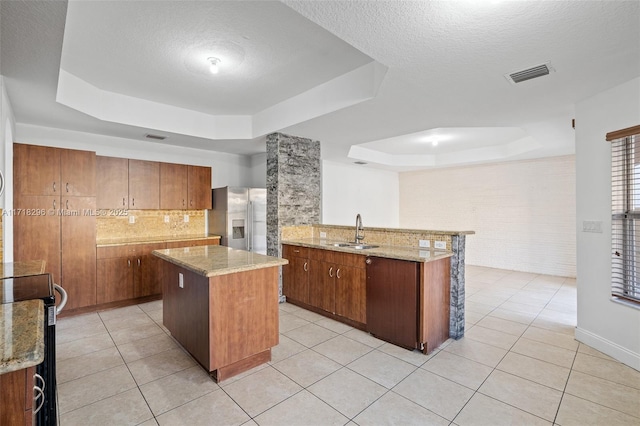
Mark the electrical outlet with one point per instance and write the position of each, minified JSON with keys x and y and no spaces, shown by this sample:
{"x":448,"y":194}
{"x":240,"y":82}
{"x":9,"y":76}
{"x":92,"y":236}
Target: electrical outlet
{"x":425,"y":243}
{"x":592,"y":226}
{"x":323,"y":235}
{"x":132,"y":219}
{"x":166,"y":218}
{"x":186,"y":218}
{"x":424,"y":253}
{"x":180,"y":280}
{"x":440,"y":245}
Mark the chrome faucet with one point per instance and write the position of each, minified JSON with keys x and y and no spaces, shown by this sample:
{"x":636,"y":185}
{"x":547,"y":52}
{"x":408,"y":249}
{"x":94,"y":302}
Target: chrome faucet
{"x":359,"y":229}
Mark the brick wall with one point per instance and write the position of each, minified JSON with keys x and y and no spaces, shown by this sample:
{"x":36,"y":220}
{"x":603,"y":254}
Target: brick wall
{"x":523,"y":212}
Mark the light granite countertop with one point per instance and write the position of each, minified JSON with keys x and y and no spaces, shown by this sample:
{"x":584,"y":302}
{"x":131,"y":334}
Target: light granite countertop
{"x":21,"y":335}
{"x":391,"y":252}
{"x":106,"y":242}
{"x":21,"y":269}
{"x":210,"y":261}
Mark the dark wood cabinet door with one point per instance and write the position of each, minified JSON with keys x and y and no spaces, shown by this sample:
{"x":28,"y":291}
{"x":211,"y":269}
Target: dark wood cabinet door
{"x":199,"y":187}
{"x":17,"y":390}
{"x":148,"y":271}
{"x":78,"y":226}
{"x":392,"y":300}
{"x":36,"y":231}
{"x":173,"y":186}
{"x":322,"y":285}
{"x":144,"y":185}
{"x":115,"y":279}
{"x":112,"y":183}
{"x":36,"y":170}
{"x":295,"y":279}
{"x":78,"y":173}
{"x":350,"y":290}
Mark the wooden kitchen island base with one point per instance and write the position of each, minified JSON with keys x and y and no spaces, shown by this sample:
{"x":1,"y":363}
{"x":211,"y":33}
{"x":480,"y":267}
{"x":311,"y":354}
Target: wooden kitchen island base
{"x":225,"y":312}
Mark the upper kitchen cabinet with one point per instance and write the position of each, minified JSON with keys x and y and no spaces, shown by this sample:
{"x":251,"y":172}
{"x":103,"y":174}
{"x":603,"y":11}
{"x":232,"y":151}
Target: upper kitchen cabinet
{"x":173,"y":186}
{"x":185,"y":187}
{"x":127,"y":184}
{"x":42,"y":170}
{"x":199,"y":187}
{"x":112,"y":176}
{"x":144,"y":185}
{"x":77,"y":173}
{"x":37,"y":170}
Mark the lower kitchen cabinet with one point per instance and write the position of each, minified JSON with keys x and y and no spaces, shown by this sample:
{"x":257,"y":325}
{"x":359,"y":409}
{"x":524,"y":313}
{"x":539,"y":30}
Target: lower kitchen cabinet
{"x":128,"y":272}
{"x":16,"y":404}
{"x":400,"y":301}
{"x":295,"y":275}
{"x":331,"y":281}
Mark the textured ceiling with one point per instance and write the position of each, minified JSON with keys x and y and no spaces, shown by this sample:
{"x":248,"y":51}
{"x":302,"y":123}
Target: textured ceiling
{"x":443,"y":68}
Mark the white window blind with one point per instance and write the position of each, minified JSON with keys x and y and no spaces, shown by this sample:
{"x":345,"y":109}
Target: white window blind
{"x":625,"y":213}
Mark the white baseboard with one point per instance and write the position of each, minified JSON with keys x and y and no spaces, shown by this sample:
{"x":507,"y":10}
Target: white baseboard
{"x":605,"y":346}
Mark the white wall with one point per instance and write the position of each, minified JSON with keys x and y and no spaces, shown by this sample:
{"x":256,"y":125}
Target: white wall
{"x":349,"y":190}
{"x":259,"y":170}
{"x":610,"y":327}
{"x":523,"y":213}
{"x":7,"y":130}
{"x":227,"y":169}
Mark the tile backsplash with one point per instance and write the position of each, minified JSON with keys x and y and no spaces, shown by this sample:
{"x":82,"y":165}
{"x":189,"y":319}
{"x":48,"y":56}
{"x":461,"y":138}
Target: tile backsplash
{"x":388,"y":237}
{"x":149,"y":223}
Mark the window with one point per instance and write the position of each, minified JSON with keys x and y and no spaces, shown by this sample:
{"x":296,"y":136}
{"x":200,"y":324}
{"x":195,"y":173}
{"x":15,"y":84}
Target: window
{"x":625,"y":213}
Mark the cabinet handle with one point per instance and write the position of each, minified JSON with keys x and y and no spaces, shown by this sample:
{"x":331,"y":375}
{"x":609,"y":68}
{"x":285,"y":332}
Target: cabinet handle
{"x":133,"y":201}
{"x":66,"y":204}
{"x":129,"y":263}
{"x":54,"y":187}
{"x":54,"y":204}
{"x":331,"y":272}
{"x":191,"y":202}
{"x":296,"y":251}
{"x":123,"y":201}
{"x":368,"y":261}
{"x":306,"y":267}
{"x":67,"y":186}
{"x":183,"y":203}
{"x":338,"y":273}
{"x":138,"y":262}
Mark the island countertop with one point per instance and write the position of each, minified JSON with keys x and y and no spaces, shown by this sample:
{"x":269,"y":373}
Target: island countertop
{"x":21,"y":335}
{"x":210,"y":261}
{"x":391,"y":252}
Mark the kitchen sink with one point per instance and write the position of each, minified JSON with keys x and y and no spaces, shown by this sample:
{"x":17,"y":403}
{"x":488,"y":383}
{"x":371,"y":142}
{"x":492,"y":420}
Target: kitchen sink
{"x":363,"y":246}
{"x":356,"y":246}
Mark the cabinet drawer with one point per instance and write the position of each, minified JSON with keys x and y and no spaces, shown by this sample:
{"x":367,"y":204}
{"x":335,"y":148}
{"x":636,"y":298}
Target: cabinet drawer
{"x":338,"y":257}
{"x":294,"y":251}
{"x":112,"y":251}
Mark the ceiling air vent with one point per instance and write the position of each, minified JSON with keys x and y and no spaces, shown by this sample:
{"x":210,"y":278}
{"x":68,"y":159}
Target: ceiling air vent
{"x":529,"y":73}
{"x":359,"y":163}
{"x":156,"y":137}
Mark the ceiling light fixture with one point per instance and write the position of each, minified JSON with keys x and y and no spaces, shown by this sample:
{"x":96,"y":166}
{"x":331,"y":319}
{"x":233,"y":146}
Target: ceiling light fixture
{"x":434,"y":142}
{"x":214,"y":63}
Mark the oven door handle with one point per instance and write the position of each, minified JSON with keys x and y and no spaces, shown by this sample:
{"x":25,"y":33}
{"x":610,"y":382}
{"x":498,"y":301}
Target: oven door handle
{"x":63,"y":298}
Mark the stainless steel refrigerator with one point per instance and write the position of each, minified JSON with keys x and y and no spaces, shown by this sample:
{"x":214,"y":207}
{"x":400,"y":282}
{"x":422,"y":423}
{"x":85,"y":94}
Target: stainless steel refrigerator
{"x":239,"y":216}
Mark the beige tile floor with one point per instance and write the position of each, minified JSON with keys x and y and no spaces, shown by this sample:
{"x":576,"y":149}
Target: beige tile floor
{"x":518,"y":364}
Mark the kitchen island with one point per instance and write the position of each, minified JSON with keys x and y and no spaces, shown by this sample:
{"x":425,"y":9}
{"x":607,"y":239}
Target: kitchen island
{"x":221,"y":305}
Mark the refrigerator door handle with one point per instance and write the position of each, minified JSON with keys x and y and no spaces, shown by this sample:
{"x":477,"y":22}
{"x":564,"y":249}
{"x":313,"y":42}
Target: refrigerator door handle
{"x":250,"y":226}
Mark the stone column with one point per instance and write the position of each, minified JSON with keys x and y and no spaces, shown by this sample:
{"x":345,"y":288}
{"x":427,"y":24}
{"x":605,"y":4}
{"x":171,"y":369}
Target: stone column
{"x":293,"y":186}
{"x":456,"y":314}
